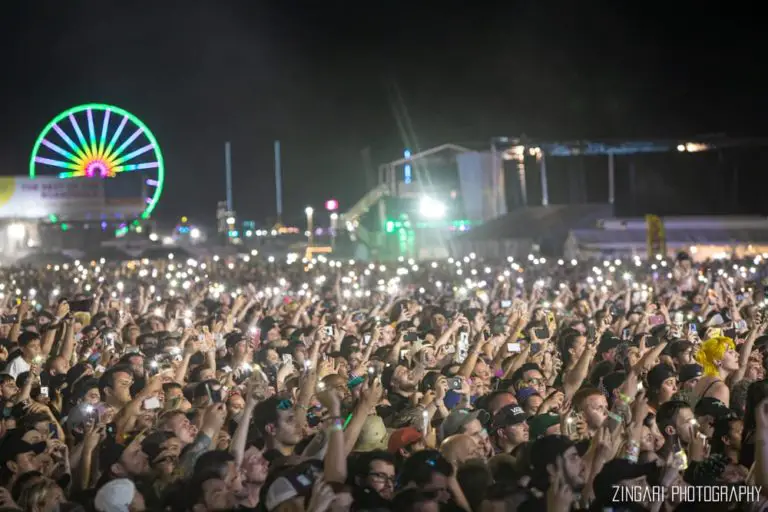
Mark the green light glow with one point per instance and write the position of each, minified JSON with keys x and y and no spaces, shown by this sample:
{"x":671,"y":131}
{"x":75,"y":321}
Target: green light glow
{"x":92,"y":149}
{"x":53,"y":218}
{"x":64,"y":227}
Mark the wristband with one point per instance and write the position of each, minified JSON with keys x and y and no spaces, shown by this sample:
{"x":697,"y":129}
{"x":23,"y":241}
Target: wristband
{"x":625,"y":398}
{"x":617,"y":418}
{"x":336,"y":425}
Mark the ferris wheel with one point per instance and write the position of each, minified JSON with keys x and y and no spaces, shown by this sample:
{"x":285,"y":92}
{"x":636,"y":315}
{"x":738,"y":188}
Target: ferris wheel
{"x":100,"y":141}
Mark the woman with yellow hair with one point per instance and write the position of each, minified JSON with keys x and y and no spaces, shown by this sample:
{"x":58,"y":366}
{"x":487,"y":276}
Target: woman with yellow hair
{"x":720,"y":360}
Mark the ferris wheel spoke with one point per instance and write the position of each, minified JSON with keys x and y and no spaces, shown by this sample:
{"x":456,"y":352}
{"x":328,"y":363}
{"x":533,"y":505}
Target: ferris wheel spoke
{"x":79,"y":133}
{"x":63,"y":152}
{"x":72,"y":174}
{"x":70,"y":142}
{"x":134,"y":154}
{"x":136,"y":167}
{"x":56,"y":163}
{"x":91,"y":133}
{"x":115,"y":135}
{"x":104,"y":129}
{"x":125,"y":144}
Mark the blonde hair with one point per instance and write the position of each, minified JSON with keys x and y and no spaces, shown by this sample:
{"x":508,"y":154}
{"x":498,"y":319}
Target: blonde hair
{"x":82,"y":317}
{"x":712,"y":351}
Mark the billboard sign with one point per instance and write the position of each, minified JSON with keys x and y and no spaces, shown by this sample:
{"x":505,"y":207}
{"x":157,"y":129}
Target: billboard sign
{"x":71,"y":199}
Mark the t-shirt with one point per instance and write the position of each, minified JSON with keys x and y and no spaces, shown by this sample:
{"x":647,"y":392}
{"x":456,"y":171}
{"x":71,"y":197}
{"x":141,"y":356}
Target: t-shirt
{"x":17,"y":366}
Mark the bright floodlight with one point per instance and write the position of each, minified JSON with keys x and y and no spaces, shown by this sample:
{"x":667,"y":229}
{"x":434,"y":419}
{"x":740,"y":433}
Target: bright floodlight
{"x":230,"y":220}
{"x":194,"y":233}
{"x":16,"y":231}
{"x":309,"y":211}
{"x":431,"y":209}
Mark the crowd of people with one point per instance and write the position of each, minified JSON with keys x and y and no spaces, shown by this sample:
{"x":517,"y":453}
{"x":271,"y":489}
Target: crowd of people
{"x":327,"y":386}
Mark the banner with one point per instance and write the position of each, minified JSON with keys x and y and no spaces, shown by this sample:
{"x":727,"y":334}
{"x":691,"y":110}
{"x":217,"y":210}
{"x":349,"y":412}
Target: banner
{"x":74,"y":199}
{"x":656,"y":240}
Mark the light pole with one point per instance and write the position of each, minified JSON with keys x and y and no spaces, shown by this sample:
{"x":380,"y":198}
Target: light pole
{"x":309,"y":211}
{"x":334,"y":225}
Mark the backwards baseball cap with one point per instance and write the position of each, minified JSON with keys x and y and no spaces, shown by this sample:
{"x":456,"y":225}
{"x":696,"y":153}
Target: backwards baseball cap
{"x":616,"y":471}
{"x":538,"y":425}
{"x":659,"y":374}
{"x":690,"y":371}
{"x":111,"y":450}
{"x":709,"y":406}
{"x":509,"y":415}
{"x":403,"y":437}
{"x":458,"y":418}
{"x":295,"y":482}
{"x":14,"y":445}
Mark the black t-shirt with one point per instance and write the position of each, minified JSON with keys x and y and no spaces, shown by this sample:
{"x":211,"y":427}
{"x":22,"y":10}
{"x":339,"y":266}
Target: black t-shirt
{"x":368,"y":500}
{"x":399,"y":402}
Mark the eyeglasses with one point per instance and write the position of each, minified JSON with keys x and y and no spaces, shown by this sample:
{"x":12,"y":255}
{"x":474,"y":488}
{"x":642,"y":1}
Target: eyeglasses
{"x":382,"y":478}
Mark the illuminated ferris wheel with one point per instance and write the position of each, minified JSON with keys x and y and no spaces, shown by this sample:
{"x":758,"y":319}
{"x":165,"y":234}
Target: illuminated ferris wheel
{"x":101,"y":141}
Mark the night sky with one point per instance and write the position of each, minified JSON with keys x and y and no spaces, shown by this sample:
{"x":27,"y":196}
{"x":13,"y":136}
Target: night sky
{"x":325,"y":81}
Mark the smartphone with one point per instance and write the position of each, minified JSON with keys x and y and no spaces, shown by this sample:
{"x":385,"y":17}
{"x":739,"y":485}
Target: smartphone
{"x":366,"y":339}
{"x":692,"y":329}
{"x":741,"y":325}
{"x":506,"y":304}
{"x":455,"y":383}
{"x":80,"y":306}
{"x":411,"y":336}
{"x":10,"y":319}
{"x":679,"y":318}
{"x":151,"y":403}
{"x":404,"y":354}
{"x":44,"y":391}
{"x":656,"y":320}
{"x":626,"y":333}
{"x":287,"y":359}
{"x":514,"y":347}
{"x":329,"y":330}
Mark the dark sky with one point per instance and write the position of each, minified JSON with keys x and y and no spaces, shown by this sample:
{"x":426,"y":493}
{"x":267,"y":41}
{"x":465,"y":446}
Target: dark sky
{"x":320,"y":76}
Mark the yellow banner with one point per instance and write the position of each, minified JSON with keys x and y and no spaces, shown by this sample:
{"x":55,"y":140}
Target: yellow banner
{"x":655,"y":235}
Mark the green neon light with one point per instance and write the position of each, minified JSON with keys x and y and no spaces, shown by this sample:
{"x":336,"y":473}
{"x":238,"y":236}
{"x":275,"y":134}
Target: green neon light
{"x":93,"y":150}
{"x":53,"y":218}
{"x":64,"y":227}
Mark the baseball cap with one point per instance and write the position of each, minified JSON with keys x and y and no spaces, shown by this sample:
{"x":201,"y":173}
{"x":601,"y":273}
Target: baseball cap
{"x":524,"y":394}
{"x":458,"y":418}
{"x":690,"y":371}
{"x":616,"y":471}
{"x":538,"y":425}
{"x":659,"y":374}
{"x":373,"y":435}
{"x":709,"y":406}
{"x":115,"y":496}
{"x":509,"y":415}
{"x":112,"y":450}
{"x":403,"y":437}
{"x":294,"y":482}
{"x":13,"y":445}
